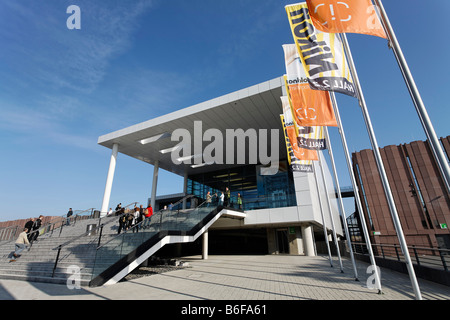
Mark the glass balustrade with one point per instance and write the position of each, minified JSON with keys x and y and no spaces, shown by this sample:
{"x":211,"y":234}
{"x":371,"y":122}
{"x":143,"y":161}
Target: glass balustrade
{"x":175,"y":221}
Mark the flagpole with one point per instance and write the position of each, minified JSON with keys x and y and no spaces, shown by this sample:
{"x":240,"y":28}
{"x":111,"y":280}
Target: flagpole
{"x":341,"y":204}
{"x":356,"y":192}
{"x":325,"y":234}
{"x":381,"y":169}
{"x":333,"y":227}
{"x":415,"y":95}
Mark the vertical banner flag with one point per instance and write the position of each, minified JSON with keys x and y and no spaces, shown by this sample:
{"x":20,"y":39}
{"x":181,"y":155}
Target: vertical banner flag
{"x":311,"y":138}
{"x":294,"y":163}
{"x":349,"y":16}
{"x":321,"y":53}
{"x":309,"y":107}
{"x":292,"y":133}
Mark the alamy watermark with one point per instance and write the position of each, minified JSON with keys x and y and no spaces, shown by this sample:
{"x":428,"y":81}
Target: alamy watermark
{"x":372,"y":281}
{"x":74,"y":20}
{"x":235,"y":147}
{"x":74,"y":280}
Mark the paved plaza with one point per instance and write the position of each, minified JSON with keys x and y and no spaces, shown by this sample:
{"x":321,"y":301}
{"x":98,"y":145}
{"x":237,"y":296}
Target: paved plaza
{"x":263,"y":277}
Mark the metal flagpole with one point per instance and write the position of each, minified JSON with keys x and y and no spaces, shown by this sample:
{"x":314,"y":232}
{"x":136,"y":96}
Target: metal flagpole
{"x":341,"y":204}
{"x":356,"y":192}
{"x":384,"y":179}
{"x":323,"y":218}
{"x":333,"y":227}
{"x":415,"y":95}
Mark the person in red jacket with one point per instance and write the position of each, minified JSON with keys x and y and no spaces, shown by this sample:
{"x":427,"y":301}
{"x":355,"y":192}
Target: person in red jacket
{"x":149,"y":212}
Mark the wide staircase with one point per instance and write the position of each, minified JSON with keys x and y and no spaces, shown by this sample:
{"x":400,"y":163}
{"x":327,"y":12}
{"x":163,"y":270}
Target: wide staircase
{"x":90,"y":252}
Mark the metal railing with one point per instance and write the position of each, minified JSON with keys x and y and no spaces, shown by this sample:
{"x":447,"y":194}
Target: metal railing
{"x":48,"y":227}
{"x":437,"y":258}
{"x":258,"y":202}
{"x":162,"y":221}
{"x":100,"y":227}
{"x":9,"y":233}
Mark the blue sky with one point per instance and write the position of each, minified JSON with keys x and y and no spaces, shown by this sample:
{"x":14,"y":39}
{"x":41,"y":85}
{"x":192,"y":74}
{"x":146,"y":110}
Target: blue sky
{"x":131,"y":61}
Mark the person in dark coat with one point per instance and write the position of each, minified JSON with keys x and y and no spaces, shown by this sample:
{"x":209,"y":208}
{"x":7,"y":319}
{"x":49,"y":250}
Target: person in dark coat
{"x":35,"y":229}
{"x":29,"y":225}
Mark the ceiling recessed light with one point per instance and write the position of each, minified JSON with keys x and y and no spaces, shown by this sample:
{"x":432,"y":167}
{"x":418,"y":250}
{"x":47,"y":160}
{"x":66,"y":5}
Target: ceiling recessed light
{"x":155,"y":138}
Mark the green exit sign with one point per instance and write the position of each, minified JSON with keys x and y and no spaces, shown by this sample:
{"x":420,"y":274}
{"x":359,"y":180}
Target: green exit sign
{"x":443,"y":226}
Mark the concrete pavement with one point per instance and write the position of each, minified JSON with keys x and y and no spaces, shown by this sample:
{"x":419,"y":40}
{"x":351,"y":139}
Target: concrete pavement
{"x":266,"y":277}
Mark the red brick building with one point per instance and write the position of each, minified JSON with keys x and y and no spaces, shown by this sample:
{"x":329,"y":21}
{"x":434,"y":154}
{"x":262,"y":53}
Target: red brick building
{"x":419,"y":193}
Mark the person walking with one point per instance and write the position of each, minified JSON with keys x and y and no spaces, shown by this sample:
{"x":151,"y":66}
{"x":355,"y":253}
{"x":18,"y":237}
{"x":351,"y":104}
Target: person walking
{"x":239,"y":201}
{"x":149,"y":211}
{"x":221,"y":198}
{"x":122,"y":223}
{"x":227,"y":197}
{"x":20,"y":244}
{"x":208,"y":198}
{"x":35,"y":229}
{"x":135,"y":220}
{"x":29,"y":226}
{"x":69,"y":214}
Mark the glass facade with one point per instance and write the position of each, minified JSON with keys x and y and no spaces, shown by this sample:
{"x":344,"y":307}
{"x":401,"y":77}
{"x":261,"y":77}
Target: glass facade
{"x":257,"y":191}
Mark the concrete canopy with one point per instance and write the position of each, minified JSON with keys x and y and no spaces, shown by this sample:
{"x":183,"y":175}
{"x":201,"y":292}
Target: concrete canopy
{"x":256,"y":107}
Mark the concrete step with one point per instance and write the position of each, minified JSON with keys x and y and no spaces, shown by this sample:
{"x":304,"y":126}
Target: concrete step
{"x":37,"y":263}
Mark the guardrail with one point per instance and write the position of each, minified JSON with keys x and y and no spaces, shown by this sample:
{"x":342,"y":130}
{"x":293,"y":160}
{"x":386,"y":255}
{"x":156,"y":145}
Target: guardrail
{"x":437,"y":258}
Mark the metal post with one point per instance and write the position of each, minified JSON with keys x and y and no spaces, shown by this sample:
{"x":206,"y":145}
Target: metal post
{"x":384,"y":179}
{"x":333,"y":227}
{"x":442,"y":259}
{"x":396,"y":252}
{"x":56,"y":261}
{"x":100,"y":236}
{"x":356,"y":192}
{"x":323,"y":218}
{"x":341,"y":204}
{"x":438,"y":153}
{"x":416,"y":255}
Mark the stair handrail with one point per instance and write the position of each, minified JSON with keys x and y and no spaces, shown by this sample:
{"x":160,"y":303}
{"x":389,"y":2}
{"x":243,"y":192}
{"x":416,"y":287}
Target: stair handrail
{"x":59,"y":219}
{"x":59,"y":247}
{"x":100,"y":226}
{"x":49,"y":225}
{"x":138,"y":224}
{"x":162,"y":232}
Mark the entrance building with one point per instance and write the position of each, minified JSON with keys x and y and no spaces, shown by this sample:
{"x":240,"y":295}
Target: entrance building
{"x":283,"y":212}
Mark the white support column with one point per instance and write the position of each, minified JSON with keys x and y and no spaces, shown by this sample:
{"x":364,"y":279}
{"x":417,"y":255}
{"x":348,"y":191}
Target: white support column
{"x":205,"y":245}
{"x":155,"y":183}
{"x":308,"y":242}
{"x":109,"y":180}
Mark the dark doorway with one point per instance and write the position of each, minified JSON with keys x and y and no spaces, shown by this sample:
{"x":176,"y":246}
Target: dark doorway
{"x":282,"y":241}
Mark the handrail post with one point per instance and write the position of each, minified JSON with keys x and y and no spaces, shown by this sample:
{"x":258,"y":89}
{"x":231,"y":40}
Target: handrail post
{"x":100,"y":236}
{"x":416,"y":255}
{"x":442,"y":259}
{"x":382,"y":251}
{"x":60,"y":230}
{"x":396,"y":252}
{"x":56,"y":261}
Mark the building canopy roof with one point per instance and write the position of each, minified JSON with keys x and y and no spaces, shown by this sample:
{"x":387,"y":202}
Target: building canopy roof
{"x":256,"y":107}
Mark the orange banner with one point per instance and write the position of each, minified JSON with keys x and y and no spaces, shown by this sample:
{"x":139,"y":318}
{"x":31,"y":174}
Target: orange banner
{"x":309,"y":107}
{"x":345,"y":16}
{"x":294,"y":163}
{"x":292,"y":135}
